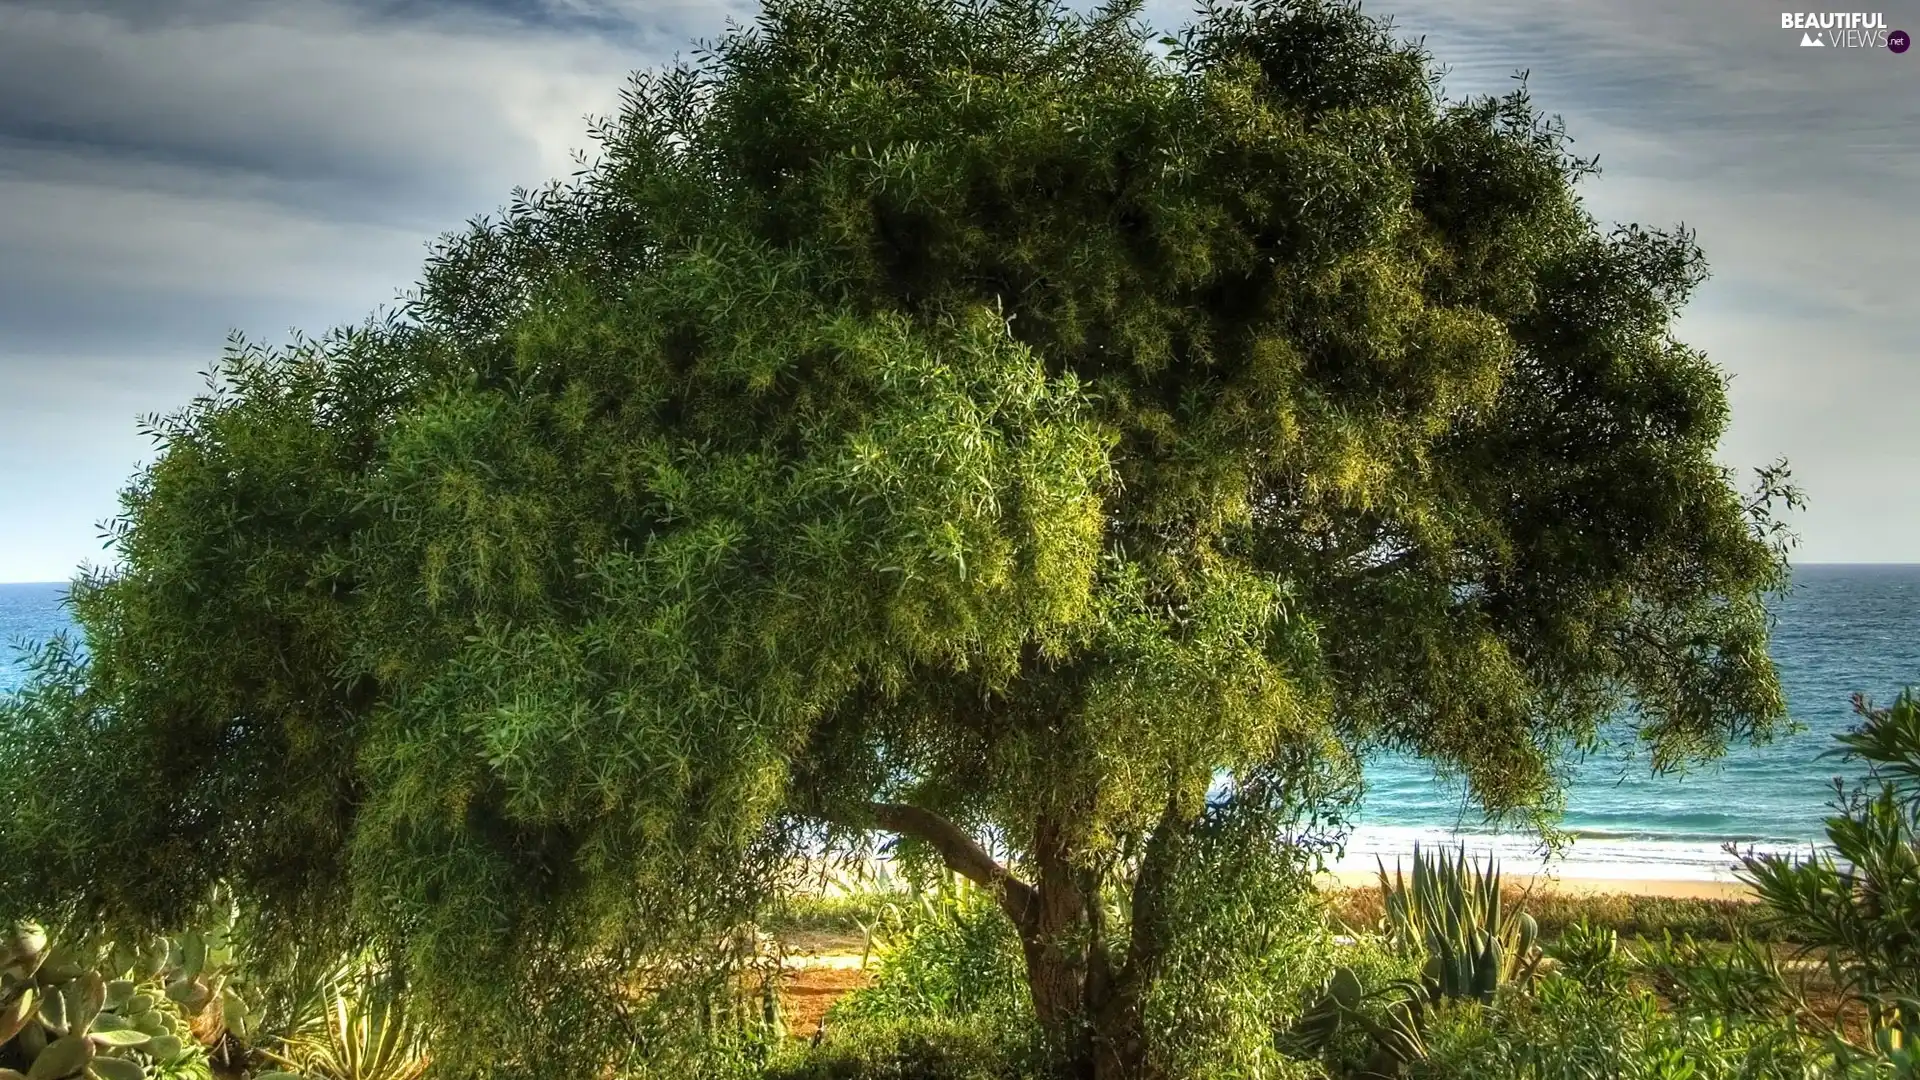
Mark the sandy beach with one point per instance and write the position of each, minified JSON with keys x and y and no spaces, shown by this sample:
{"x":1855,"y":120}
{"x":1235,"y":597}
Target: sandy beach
{"x":1673,"y":888}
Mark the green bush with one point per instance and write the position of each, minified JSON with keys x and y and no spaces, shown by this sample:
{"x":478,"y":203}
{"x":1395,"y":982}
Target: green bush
{"x":1254,"y":940}
{"x":1646,"y":917}
{"x":1701,"y":979}
{"x":852,"y":913}
{"x":948,"y":954}
{"x":1630,"y":915}
{"x":921,"y":1049}
{"x":1566,"y":1031}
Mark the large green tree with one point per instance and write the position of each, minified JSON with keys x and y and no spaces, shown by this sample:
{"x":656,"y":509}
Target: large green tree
{"x":969,"y":421}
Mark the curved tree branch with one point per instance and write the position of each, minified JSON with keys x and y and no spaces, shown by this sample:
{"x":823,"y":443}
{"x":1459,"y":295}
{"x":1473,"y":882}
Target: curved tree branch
{"x":962,"y":854}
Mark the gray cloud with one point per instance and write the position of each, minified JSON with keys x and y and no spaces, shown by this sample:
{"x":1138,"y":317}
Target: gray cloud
{"x":180,"y":179}
{"x":171,"y":169}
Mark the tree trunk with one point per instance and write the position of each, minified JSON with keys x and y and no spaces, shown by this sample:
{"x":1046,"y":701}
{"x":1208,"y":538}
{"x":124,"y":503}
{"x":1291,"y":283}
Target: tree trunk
{"x":1056,"y":941}
{"x":1093,"y":1014}
{"x":1091,"y":1010}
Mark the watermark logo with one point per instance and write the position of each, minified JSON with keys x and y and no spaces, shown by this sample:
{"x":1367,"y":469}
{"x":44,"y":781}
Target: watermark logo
{"x":1845,"y":30}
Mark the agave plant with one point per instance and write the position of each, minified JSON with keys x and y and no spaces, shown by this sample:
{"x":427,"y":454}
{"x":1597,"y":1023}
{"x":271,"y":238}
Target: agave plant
{"x":1451,"y":910}
{"x":367,"y":1035}
{"x":65,"y":1014}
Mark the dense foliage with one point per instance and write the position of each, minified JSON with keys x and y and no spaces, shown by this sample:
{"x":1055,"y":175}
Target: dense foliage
{"x":966,"y":420}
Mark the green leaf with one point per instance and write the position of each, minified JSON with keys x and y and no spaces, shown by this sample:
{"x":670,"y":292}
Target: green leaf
{"x":18,"y":1013}
{"x":193,"y":955}
{"x":184,"y":992}
{"x":153,"y":1022}
{"x":85,"y":996}
{"x":53,"y":1011}
{"x":63,"y":1057}
{"x":120,"y":1037}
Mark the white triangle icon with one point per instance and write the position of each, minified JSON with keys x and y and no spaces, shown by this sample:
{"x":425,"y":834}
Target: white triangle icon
{"x":1809,"y":39}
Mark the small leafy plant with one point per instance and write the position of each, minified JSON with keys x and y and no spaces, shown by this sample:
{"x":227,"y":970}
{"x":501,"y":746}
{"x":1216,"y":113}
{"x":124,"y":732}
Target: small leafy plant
{"x":1592,"y":956}
{"x":1393,"y":1020}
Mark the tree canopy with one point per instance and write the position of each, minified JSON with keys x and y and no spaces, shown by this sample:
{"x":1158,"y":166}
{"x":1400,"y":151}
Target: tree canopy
{"x":960,"y":418}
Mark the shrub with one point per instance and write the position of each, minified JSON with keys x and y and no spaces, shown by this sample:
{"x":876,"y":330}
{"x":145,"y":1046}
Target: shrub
{"x":947,"y":954}
{"x":1743,"y":979}
{"x":853,"y":913}
{"x":1254,"y":939}
{"x":1646,"y":917}
{"x":1631,"y":916}
{"x":1860,"y":907}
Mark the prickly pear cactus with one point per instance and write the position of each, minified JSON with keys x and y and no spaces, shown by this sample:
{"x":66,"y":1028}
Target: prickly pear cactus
{"x":202,"y":977}
{"x":65,"y":1014}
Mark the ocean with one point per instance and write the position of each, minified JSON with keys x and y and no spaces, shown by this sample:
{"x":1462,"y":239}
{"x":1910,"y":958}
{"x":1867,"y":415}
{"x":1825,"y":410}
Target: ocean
{"x":1842,"y":630}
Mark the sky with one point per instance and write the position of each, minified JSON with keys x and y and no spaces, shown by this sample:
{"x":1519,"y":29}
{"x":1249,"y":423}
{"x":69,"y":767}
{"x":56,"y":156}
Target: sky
{"x":175,"y":170}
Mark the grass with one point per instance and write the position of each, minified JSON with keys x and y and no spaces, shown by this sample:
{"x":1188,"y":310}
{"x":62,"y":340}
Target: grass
{"x":839,"y":915}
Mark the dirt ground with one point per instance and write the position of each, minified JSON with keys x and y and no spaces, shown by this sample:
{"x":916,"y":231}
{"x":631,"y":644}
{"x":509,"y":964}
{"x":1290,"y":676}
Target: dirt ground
{"x":821,"y":968}
{"x":807,"y":993}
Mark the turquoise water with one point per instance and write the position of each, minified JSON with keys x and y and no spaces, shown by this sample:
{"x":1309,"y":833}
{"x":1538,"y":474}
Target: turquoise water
{"x":1844,"y":629}
{"x":28,"y":613}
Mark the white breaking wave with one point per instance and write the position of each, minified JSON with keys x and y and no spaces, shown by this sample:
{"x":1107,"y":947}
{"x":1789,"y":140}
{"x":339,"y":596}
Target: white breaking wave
{"x":1590,"y":856}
